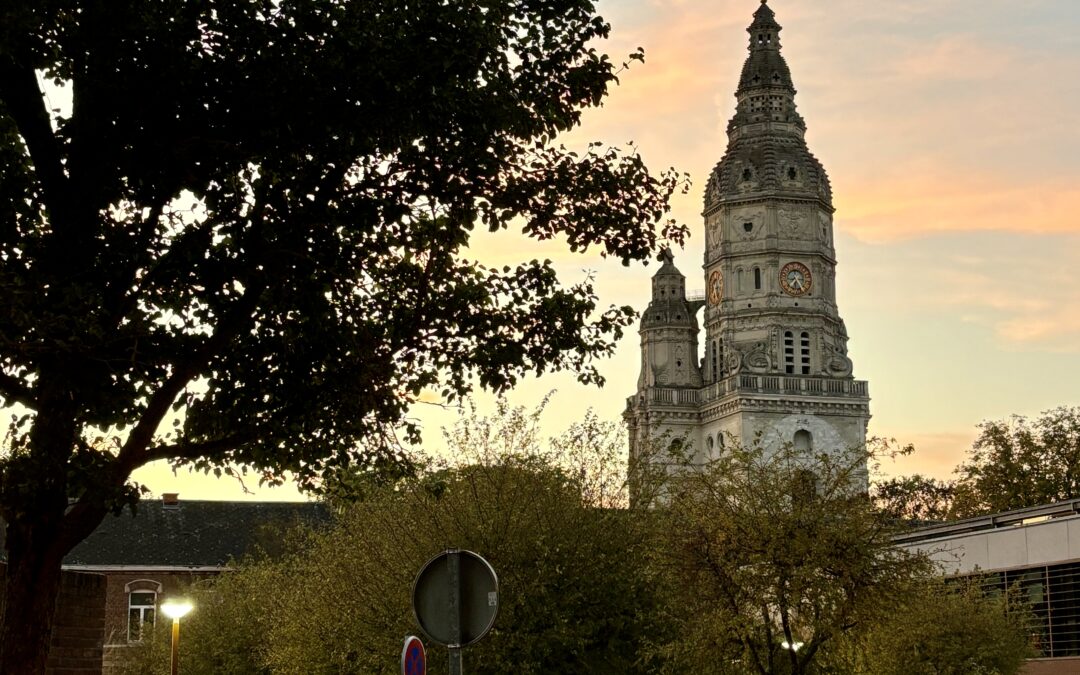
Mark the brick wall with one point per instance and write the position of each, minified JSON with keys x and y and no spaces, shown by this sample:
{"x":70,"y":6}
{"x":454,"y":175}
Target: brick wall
{"x":171,"y":584}
{"x":79,"y":628}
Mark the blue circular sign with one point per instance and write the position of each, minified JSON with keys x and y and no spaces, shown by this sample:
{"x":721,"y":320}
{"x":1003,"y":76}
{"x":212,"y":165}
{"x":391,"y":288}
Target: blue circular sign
{"x":413,"y":657}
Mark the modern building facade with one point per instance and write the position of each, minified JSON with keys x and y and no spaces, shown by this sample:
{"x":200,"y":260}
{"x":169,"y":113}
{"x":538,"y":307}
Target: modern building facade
{"x":1035,"y":551}
{"x":773,"y":365}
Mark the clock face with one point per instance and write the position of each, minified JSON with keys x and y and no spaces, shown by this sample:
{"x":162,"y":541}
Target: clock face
{"x":795,"y":279}
{"x":716,"y":287}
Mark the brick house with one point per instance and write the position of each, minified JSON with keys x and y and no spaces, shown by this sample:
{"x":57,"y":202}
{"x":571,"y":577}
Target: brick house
{"x":166,"y":545}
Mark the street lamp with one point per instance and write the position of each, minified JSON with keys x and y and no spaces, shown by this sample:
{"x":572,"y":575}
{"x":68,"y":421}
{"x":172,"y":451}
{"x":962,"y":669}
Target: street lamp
{"x":174,"y":609}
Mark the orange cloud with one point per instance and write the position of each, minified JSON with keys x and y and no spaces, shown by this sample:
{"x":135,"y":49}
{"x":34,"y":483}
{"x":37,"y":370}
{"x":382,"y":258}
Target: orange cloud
{"x":919,"y":199}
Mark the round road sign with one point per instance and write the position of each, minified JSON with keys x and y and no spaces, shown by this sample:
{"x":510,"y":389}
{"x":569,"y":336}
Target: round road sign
{"x":413,"y":657}
{"x":455,"y":598}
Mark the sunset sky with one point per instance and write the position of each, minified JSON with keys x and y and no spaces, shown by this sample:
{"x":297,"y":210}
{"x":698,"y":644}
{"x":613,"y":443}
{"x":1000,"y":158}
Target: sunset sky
{"x":951,"y":133}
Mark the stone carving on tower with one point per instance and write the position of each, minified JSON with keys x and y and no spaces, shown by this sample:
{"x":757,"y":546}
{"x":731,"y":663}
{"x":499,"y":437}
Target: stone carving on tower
{"x":775,"y":367}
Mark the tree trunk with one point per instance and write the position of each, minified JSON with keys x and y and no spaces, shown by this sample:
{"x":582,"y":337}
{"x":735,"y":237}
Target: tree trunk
{"x":36,"y":542}
{"x":33,"y":584}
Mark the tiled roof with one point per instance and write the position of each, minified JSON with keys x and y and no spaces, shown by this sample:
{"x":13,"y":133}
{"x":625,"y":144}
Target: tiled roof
{"x":191,"y":533}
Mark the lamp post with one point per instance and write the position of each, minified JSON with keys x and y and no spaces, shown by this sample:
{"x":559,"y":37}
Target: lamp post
{"x":174,"y":609}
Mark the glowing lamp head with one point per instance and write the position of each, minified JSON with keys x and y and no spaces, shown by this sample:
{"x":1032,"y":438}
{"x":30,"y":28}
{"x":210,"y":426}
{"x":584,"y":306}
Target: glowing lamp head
{"x":174,"y":609}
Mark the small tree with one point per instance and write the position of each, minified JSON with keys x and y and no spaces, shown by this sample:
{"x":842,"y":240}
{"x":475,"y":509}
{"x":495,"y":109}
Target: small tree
{"x":775,"y":558}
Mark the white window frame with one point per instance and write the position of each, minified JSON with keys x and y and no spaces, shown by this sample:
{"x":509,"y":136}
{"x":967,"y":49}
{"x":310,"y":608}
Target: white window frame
{"x":142,"y":586}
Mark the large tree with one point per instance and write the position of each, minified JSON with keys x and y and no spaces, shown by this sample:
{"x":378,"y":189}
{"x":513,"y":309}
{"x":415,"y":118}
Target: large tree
{"x":1014,"y":463}
{"x":245,"y":242}
{"x":1019,"y":462}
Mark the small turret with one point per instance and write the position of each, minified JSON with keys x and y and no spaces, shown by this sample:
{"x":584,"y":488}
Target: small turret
{"x":669,"y":331}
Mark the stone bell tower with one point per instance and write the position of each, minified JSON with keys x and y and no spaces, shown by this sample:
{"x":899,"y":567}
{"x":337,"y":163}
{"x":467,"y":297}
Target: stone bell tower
{"x":775,"y":368}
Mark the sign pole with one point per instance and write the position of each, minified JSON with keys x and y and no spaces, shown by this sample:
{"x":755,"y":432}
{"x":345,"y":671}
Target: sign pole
{"x":455,"y":600}
{"x":453,"y":573}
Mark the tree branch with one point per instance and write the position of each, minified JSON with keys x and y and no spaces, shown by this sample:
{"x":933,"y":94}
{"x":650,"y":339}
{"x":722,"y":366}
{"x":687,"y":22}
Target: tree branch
{"x":133,"y":451}
{"x":194,"y":450}
{"x":24,"y":101}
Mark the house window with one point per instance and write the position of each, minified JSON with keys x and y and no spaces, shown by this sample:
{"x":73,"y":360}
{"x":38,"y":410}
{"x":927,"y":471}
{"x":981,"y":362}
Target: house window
{"x":141,"y":605}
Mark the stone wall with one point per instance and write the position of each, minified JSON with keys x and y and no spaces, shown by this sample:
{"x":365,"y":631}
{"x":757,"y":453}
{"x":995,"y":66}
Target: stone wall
{"x":79,"y":628}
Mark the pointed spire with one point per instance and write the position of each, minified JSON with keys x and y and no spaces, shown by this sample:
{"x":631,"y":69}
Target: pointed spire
{"x":765,"y":67}
{"x":767,"y":150}
{"x":764,"y":31}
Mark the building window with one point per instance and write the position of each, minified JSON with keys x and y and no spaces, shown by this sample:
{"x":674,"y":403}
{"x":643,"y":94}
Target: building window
{"x":720,"y":358}
{"x":710,"y":444}
{"x":757,"y":278}
{"x":804,"y":353}
{"x":738,"y":280}
{"x":804,"y":442}
{"x":789,"y":353}
{"x":141,"y":605}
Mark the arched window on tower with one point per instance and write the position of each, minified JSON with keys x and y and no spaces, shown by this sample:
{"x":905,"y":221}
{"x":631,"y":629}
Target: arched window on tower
{"x":804,"y":353}
{"x":789,"y":352}
{"x":757,"y":278}
{"x":738,"y":280}
{"x":803,"y":441}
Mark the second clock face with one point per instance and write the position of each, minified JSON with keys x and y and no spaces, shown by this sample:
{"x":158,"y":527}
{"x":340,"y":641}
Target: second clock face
{"x":716,"y":287}
{"x":795,"y":279}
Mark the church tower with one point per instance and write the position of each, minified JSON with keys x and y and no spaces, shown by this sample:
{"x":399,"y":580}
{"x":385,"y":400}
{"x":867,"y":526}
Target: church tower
{"x":775,"y":368}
